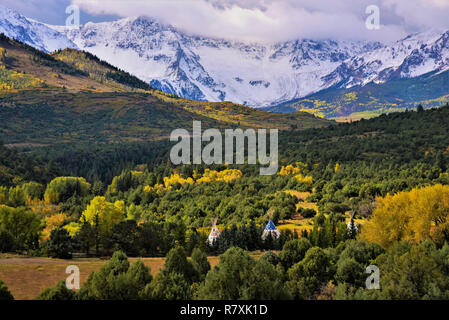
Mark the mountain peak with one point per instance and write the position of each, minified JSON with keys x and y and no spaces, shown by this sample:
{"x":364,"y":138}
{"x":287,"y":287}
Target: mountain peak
{"x":254,"y":74}
{"x":31,"y":32}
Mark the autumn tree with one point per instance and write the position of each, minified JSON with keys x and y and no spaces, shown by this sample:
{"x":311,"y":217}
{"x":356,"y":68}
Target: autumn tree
{"x":103,"y":216}
{"x":23,"y":226}
{"x":415,"y":215}
{"x":61,"y":189}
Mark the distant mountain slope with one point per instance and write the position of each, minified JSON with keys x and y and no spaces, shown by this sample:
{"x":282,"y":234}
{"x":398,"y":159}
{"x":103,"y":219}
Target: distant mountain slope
{"x":32,"y":32}
{"x":49,"y":116}
{"x":253,"y":74}
{"x":210,"y":69}
{"x":413,"y":56}
{"x":430,"y":90}
{"x":73,"y":96}
{"x":100,"y":70}
{"x":24,"y":67}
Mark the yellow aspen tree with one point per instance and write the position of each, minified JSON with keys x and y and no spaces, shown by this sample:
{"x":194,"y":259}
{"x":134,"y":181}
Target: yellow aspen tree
{"x":106,"y":214}
{"x":414,"y":216}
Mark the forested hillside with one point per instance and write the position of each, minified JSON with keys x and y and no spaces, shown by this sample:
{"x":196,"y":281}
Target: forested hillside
{"x":334,"y":170}
{"x":72,"y":96}
{"x":85,"y":170}
{"x":338,"y":198}
{"x":373,"y":99}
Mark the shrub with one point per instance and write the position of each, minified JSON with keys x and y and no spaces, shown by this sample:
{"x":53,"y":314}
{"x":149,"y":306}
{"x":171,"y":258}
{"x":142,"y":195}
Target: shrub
{"x":24,"y":226}
{"x":238,"y":276}
{"x":4,"y":292}
{"x":59,"y":292}
{"x":200,"y":262}
{"x":308,"y":212}
{"x":60,"y":244}
{"x":6,"y":241}
{"x":294,"y":251}
{"x":116,"y":280}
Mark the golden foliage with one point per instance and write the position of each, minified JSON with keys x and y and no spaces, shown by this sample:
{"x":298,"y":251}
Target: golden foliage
{"x":226,"y":175}
{"x":72,"y":228}
{"x":60,"y":185}
{"x":104,"y":214}
{"x":307,"y":180}
{"x":175,"y":179}
{"x":288,"y":170}
{"x":327,"y":291}
{"x":53,"y":222}
{"x":158,"y":188}
{"x":414,"y":216}
{"x":42,"y":208}
{"x":337,"y":167}
{"x":10,"y":79}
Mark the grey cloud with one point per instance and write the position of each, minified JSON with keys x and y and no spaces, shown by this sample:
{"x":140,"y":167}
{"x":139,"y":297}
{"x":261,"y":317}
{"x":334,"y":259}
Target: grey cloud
{"x":270,"y":20}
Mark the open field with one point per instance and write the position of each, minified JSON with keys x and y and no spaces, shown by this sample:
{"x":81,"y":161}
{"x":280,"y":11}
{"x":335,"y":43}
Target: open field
{"x":27,"y":277}
{"x":297,"y":222}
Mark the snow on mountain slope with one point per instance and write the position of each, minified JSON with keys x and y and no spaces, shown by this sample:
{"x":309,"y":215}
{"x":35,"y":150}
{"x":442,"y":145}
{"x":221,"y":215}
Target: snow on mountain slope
{"x":31,"y":32}
{"x":254,"y":74}
{"x":214,"y":69}
{"x":273,"y":74}
{"x":410,"y":57}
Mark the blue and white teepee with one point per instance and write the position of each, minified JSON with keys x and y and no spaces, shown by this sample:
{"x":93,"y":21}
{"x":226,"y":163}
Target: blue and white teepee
{"x":270,"y":229}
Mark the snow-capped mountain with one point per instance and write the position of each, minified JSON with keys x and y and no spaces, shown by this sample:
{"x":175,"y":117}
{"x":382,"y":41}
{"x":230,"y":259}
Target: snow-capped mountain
{"x":215,"y":69}
{"x":31,"y":32}
{"x":413,"y":56}
{"x":254,"y":74}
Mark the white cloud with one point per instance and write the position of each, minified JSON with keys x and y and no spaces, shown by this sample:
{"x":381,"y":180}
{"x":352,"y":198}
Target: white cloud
{"x":278,"y":20}
{"x":420,"y":14}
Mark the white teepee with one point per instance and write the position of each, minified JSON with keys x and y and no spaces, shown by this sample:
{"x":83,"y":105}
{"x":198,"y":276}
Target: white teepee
{"x":352,"y":223}
{"x":214,"y":233}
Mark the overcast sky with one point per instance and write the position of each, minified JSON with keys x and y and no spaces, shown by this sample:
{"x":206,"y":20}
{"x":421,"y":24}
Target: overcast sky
{"x":258,"y":20}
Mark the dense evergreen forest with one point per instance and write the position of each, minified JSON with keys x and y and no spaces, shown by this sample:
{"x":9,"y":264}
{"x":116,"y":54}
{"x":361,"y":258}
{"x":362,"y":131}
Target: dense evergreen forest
{"x":372,"y":192}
